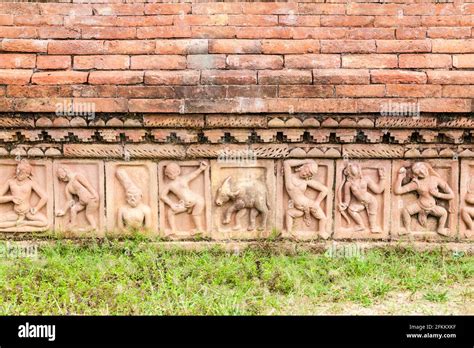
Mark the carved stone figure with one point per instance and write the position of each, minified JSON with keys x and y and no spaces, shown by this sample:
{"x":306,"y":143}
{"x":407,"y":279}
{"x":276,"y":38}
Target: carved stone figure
{"x":80,"y":196}
{"x":135,"y":214}
{"x":189,"y":201}
{"x":244,"y":194}
{"x":21,"y":188}
{"x":467,"y":212}
{"x":299,"y":205}
{"x":354,"y":195}
{"x":429,"y":186}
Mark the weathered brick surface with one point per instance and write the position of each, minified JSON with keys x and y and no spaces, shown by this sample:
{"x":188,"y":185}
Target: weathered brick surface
{"x":268,"y":52}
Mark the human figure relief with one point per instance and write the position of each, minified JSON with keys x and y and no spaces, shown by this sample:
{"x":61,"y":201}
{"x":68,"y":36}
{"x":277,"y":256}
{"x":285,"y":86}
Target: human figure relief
{"x":21,"y":188}
{"x":299,"y":205}
{"x":355,"y":196}
{"x":467,"y":212}
{"x":427,"y":184}
{"x":80,"y":195}
{"x":135,"y":214}
{"x":189,"y":201}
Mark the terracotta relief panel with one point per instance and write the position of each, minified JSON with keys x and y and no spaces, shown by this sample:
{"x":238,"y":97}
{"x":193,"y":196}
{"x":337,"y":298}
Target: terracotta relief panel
{"x":362,"y":208}
{"x":132,"y":193}
{"x":466,"y":225}
{"x":243,"y":199}
{"x":424,"y":199}
{"x":305,"y":190}
{"x":185,"y":198}
{"x":26,"y":196}
{"x":79,"y":197}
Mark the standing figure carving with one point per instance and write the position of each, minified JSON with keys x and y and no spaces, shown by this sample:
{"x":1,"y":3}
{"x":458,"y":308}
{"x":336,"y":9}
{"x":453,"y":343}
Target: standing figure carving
{"x":135,"y":214}
{"x":21,"y":188}
{"x":189,"y":201}
{"x":467,"y":212}
{"x":429,"y":186}
{"x":80,"y":195}
{"x":354,"y":195}
{"x":299,"y":205}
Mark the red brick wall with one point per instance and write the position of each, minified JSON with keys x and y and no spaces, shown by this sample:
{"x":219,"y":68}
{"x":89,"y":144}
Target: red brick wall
{"x":334,"y":57}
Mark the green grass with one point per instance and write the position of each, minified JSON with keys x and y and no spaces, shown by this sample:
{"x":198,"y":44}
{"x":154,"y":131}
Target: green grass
{"x":135,"y":277}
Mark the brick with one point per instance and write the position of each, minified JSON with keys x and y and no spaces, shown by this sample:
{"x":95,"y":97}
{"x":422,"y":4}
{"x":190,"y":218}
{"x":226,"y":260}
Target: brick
{"x":39,"y":104}
{"x":355,"y":91}
{"x":76,"y":47}
{"x":93,"y":21}
{"x":441,"y":21}
{"x":206,"y":61}
{"x":425,"y":61}
{"x":348,"y":46}
{"x":102,"y":62}
{"x":202,"y":92}
{"x":370,"y":61}
{"x":6,"y":19}
{"x":463,"y":61}
{"x":410,"y":33}
{"x":341,"y":76}
{"x":360,"y":9}
{"x":115,"y":77}
{"x":105,"y":104}
{"x":188,"y":77}
{"x":458,"y":91}
{"x":18,"y":32}
{"x":445,"y":105}
{"x":118,"y":9}
{"x":15,"y":77}
{"x":305,"y":91}
{"x":108,"y":33}
{"x":379,"y":104}
{"x":322,"y":9}
{"x":430,"y":9}
{"x":189,"y":20}
{"x":318,"y":33}
{"x":58,"y":33}
{"x":453,"y":46}
{"x":263,"y":33}
{"x":309,"y":61}
{"x":253,"y":20}
{"x":164,"y":32}
{"x":269,"y":8}
{"x":59,"y":77}
{"x":290,"y":46}
{"x":397,"y":76}
{"x":184,"y":46}
{"x":88,"y":91}
{"x":160,"y":92}
{"x":11,"y":8}
{"x":326,"y":105}
{"x":213,"y":32}
{"x":228,"y":77}
{"x":214,"y":8}
{"x":370,"y":33}
{"x":38,"y":91}
{"x":139,"y":21}
{"x":234,"y":46}
{"x":164,"y":9}
{"x":284,"y":77}
{"x":398,"y":46}
{"x":254,"y":62}
{"x":449,"y":33}
{"x":24,"y":45}
{"x":397,"y":21}
{"x":17,"y":61}
{"x":413,"y":91}
{"x":165,"y":62}
{"x":252,"y":91}
{"x":53,"y":62}
{"x":129,"y":47}
{"x":154,"y":105}
{"x":347,"y":21}
{"x":451,"y":77}
{"x":65,"y":9}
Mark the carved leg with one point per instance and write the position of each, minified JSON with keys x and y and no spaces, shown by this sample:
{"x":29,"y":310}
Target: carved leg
{"x":228,"y":214}
{"x":8,"y":220}
{"x":197,"y":222}
{"x":357,"y":219}
{"x":467,"y":214}
{"x":238,"y":216}
{"x":443,"y":217}
{"x":406,"y":217}
{"x":374,"y":227}
{"x":252,"y":219}
{"x":171,"y":220}
{"x":91,"y":209}
{"x":76,"y":208}
{"x":37,"y":220}
{"x":290,"y":215}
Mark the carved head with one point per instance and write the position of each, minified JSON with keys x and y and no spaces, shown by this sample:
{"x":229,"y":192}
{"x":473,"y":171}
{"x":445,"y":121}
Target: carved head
{"x":308,"y":170}
{"x":63,"y":174}
{"x":353,"y":170}
{"x":172,"y":170}
{"x":225,"y":193}
{"x":134,"y":197}
{"x":23,"y":170}
{"x":420,"y":170}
